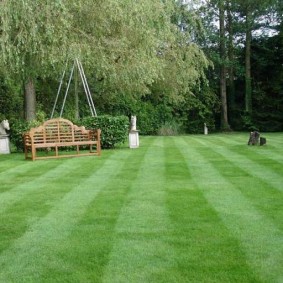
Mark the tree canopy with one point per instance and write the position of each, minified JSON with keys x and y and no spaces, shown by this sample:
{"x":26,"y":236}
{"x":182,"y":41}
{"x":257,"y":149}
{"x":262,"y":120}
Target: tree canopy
{"x":170,"y":60}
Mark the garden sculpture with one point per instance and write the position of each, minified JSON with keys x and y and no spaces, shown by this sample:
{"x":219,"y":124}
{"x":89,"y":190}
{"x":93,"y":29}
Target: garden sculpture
{"x":4,"y":125}
{"x":133,"y":123}
{"x":255,"y":138}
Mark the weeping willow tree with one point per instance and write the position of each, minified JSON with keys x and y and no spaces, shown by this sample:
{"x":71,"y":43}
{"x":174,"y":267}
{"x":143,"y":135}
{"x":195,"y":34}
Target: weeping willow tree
{"x":128,"y":45}
{"x":183,"y":61}
{"x":119,"y":40}
{"x":33,"y":39}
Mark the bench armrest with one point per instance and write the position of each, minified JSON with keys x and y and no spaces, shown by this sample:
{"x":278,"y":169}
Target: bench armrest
{"x":95,"y":134}
{"x":27,"y":138}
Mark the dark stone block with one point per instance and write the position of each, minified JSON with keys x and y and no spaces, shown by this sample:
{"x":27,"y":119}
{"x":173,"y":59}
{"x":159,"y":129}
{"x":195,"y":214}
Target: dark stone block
{"x":254,"y":138}
{"x":262,"y":141}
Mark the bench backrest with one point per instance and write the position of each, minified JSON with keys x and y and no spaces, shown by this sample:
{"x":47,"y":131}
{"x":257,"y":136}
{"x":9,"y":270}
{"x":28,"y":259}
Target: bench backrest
{"x":58,"y":130}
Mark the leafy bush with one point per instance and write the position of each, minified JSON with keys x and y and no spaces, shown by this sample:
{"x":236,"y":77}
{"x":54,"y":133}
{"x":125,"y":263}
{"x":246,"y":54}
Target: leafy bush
{"x":114,"y":130}
{"x":146,"y":119}
{"x":11,"y":100}
{"x":248,"y":123}
{"x":201,"y":109}
{"x":151,"y":118}
{"x":169,"y":129}
{"x":19,"y":126}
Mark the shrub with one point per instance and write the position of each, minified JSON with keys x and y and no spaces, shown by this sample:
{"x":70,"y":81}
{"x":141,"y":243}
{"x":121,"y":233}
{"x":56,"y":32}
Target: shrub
{"x":19,"y":126}
{"x":114,"y":130}
{"x":146,"y":119}
{"x":169,"y":129}
{"x":150,"y":117}
{"x":248,"y":123}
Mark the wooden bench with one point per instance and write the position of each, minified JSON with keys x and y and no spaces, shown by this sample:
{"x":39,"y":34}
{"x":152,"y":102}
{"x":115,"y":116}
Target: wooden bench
{"x":60,"y":132}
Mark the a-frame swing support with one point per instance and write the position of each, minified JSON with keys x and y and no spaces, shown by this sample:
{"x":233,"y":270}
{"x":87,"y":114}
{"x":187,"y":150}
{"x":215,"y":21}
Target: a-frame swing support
{"x":78,"y":65}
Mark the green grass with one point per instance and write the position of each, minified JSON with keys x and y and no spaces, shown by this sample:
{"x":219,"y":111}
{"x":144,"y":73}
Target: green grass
{"x":177,"y":209}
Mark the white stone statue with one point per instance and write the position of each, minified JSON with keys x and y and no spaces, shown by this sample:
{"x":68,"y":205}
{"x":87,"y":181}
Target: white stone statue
{"x":4,"y":125}
{"x":133,"y":123}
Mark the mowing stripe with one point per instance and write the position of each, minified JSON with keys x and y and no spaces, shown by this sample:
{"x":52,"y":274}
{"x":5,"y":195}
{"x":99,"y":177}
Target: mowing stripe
{"x":26,"y":259}
{"x":93,"y":237}
{"x":260,"y":193}
{"x":24,"y":172}
{"x":46,"y":172}
{"x":261,"y":240}
{"x":11,"y":163}
{"x":253,"y":168}
{"x":140,"y":253}
{"x":35,"y":204}
{"x":260,"y":154}
{"x":267,"y":151}
{"x":205,"y":250}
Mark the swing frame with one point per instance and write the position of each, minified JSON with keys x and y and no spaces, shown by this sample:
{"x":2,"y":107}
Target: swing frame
{"x":77,"y":63}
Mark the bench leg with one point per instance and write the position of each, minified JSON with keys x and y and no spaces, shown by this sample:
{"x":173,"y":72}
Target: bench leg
{"x":33,"y":153}
{"x":98,"y":148}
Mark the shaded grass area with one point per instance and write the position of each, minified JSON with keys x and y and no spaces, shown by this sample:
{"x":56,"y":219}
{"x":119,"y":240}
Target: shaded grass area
{"x":177,"y":209}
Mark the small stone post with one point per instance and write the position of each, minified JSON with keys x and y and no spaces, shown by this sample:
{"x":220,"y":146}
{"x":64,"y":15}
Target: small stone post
{"x":205,"y":129}
{"x":134,"y":133}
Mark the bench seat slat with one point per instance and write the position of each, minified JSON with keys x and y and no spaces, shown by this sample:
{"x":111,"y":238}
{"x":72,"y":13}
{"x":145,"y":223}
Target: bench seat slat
{"x":61,"y":144}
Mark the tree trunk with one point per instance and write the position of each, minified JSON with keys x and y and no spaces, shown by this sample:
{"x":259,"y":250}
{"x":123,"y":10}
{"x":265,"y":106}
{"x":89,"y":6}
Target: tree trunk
{"x":248,"y":81}
{"x":223,"y":69}
{"x":231,"y":84}
{"x":30,"y":100}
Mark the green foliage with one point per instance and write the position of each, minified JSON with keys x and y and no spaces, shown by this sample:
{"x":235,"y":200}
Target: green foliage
{"x":267,"y":61}
{"x":114,"y":130}
{"x":10,"y":100}
{"x":34,"y":37}
{"x":169,"y":128}
{"x":19,"y":126}
{"x":122,"y":52}
{"x":147,"y":122}
{"x":199,"y":109}
{"x":247,"y":122}
{"x":141,"y":59}
{"x":151,"y":116}
{"x":184,"y":67}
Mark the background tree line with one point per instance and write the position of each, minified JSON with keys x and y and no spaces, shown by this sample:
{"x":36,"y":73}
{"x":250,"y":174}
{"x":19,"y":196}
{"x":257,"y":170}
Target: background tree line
{"x":175,"y":65}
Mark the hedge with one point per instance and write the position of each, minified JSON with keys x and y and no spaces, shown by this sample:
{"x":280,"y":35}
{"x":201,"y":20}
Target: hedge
{"x":114,"y":129}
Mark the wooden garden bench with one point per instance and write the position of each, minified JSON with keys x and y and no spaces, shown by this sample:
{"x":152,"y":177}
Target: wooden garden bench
{"x":60,"y":132}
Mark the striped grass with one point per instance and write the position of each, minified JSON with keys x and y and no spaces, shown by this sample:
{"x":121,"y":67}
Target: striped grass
{"x":177,"y":209}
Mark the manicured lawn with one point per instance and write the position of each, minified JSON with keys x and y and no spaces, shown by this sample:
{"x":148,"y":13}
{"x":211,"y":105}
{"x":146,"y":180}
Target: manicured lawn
{"x":177,"y":209}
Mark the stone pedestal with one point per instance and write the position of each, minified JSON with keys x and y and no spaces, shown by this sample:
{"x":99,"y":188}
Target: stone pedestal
{"x":134,"y":139}
{"x":4,"y":144}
